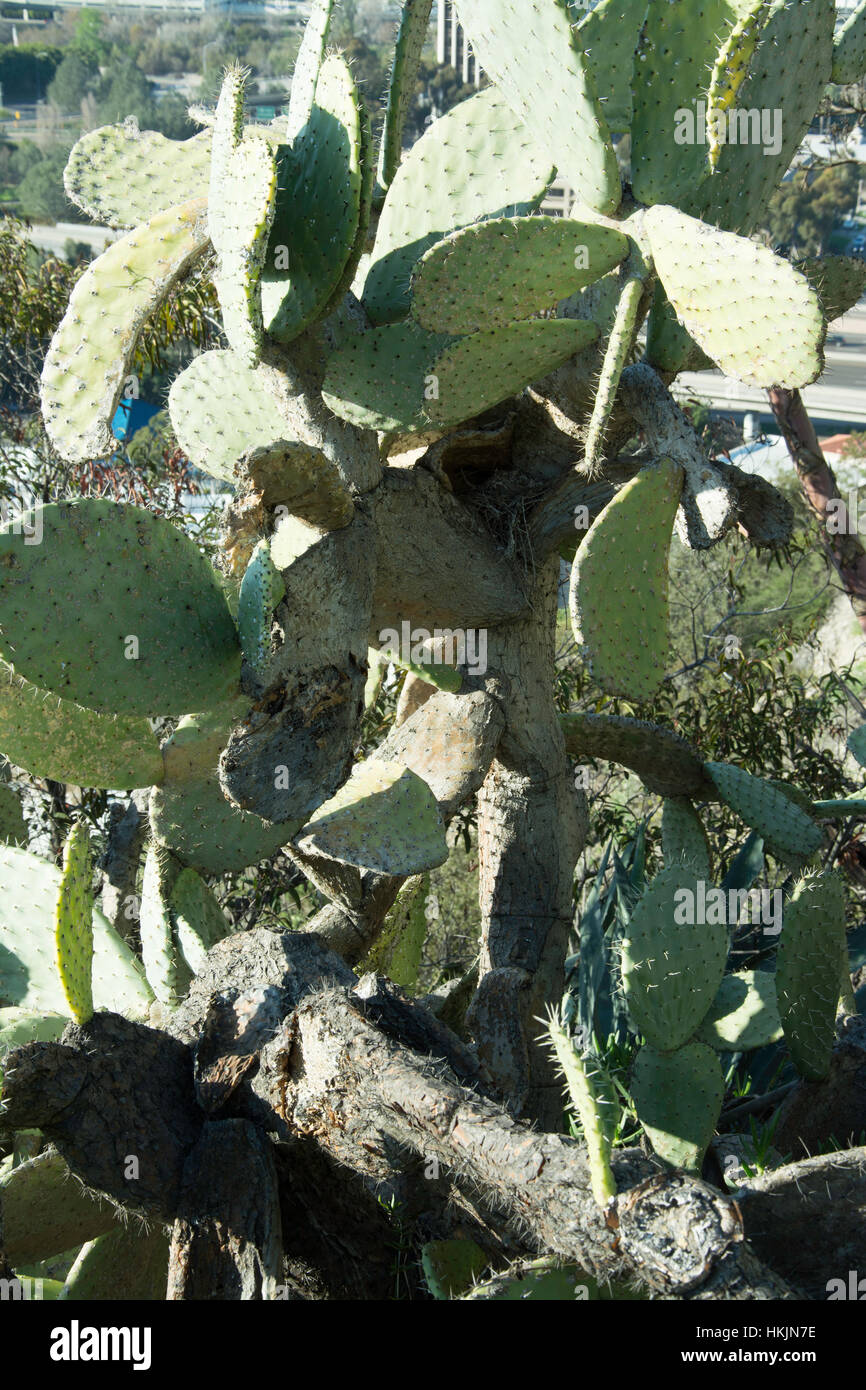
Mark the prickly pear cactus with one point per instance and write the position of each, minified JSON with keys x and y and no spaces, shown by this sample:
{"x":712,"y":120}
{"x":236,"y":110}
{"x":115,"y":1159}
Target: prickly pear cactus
{"x":74,"y":935}
{"x":808,"y":976}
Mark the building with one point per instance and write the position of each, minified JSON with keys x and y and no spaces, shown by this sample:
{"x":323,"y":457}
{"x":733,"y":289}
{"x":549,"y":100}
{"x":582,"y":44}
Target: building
{"x":452,"y":46}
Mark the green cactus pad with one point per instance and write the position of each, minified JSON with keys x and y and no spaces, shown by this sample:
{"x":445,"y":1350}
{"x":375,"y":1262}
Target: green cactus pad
{"x":90,"y":357}
{"x":241,"y":210}
{"x":74,"y":924}
{"x":507,"y":268}
{"x":857,"y":744}
{"x":46,"y":1212}
{"x":726,"y":289}
{"x":13,"y":827}
{"x":478,"y":161}
{"x":847,"y":806}
{"x":221,"y":409}
{"x":323,"y":188}
{"x":594,"y":1102}
{"x":398,"y":950}
{"x":261,"y":591}
{"x":28,"y":967}
{"x":729,"y":73}
{"x":122,"y":176}
{"x":411,"y":38}
{"x":609,"y":36}
{"x":786,"y":830}
{"x":684,"y":837}
{"x":744,"y":1014}
{"x":166,"y":972}
{"x":384,"y":818}
{"x":308,"y":66}
{"x":839,"y":281}
{"x":189,"y":813}
{"x":671,"y":969}
{"x":198,"y":920}
{"x":676,"y":53}
{"x":402,"y":378}
{"x":530,"y":52}
{"x":18,"y":1026}
{"x":807,"y":971}
{"x":678,"y":1096}
{"x":116,"y":609}
{"x":788,"y":71}
{"x":620,"y":345}
{"x":624,"y":627}
{"x":56,"y":738}
{"x":452,"y":1266}
{"x":849,"y":48}
{"x":124,"y":1264}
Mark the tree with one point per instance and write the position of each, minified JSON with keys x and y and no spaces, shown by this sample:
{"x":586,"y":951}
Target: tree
{"x":408,"y":470}
{"x":40,"y":192}
{"x":70,"y":83}
{"x":125,"y":91}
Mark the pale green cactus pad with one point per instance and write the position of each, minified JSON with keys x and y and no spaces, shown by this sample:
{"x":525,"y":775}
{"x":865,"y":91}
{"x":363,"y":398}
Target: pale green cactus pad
{"x":684,"y":837}
{"x":57,"y":738}
{"x":609,"y":35}
{"x":477,"y":161}
{"x":198,"y":920}
{"x":399,"y":377}
{"x":411,"y":38}
{"x":18,"y":1026}
{"x":808,"y":976}
{"x":122,"y":176}
{"x":594,"y":1102}
{"x":166,"y":972}
{"x":839,"y":280}
{"x":507,"y":268}
{"x":744,"y":1014}
{"x":125,"y":1263}
{"x":672,"y":965}
{"x":678,"y":1096}
{"x":74,"y":924}
{"x":221,"y":409}
{"x":529,"y":50}
{"x":726,"y":289}
{"x":241,"y":210}
{"x":90,"y":357}
{"x":849,"y":48}
{"x":397,"y":951}
{"x":261,"y":591}
{"x":13,"y":827}
{"x":786,"y":830}
{"x":384,"y":818}
{"x":452,"y":1266}
{"x":616,"y":355}
{"x":28,"y":967}
{"x":857,"y":744}
{"x":133,"y":581}
{"x":46,"y":1211}
{"x":189,"y":813}
{"x":308,"y":65}
{"x":623,"y":627}
{"x":324,"y":185}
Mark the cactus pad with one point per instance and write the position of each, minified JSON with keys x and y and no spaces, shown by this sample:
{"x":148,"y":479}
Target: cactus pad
{"x":197,"y":918}
{"x":74,"y":924}
{"x":13,"y":827}
{"x":308,"y":66}
{"x":451,"y":1266}
{"x":849,"y":48}
{"x":609,"y":34}
{"x":123,"y":1264}
{"x":323,"y":187}
{"x":529,"y":50}
{"x":55,"y":738}
{"x":18,"y":1026}
{"x":151,"y":630}
{"x":411,"y":38}
{"x":593,"y":1100}
{"x":402,"y":378}
{"x":45,"y":1212}
{"x":507,"y":268}
{"x":475,"y":162}
{"x":684,"y":837}
{"x":398,"y":949}
{"x":730,"y":72}
{"x":261,"y":591}
{"x":624,"y":628}
{"x":384,"y":818}
{"x":808,"y":971}
{"x":221,"y":409}
{"x":787,"y":831}
{"x":678,"y":1096}
{"x":744,"y":1014}
{"x":839,"y":280}
{"x":672,"y":965}
{"x":122,"y":176}
{"x":28,"y":969}
{"x":241,"y":209}
{"x":726,"y":289}
{"x":91,"y":353}
{"x":166,"y":973}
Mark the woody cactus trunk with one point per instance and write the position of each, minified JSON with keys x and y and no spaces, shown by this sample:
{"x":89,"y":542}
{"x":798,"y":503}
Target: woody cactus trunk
{"x":424,"y":383}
